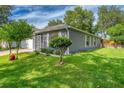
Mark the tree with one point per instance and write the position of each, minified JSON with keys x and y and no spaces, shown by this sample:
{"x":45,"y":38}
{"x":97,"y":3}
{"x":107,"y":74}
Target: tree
{"x":61,"y":44}
{"x":6,"y":34}
{"x":80,"y":18}
{"x":5,"y":12}
{"x":117,"y":32}
{"x":109,"y":16}
{"x":54,"y":22}
{"x":22,"y":31}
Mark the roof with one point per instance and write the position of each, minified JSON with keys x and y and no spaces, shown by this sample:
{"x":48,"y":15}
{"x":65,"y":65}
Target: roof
{"x":60,"y":27}
{"x":51,"y":28}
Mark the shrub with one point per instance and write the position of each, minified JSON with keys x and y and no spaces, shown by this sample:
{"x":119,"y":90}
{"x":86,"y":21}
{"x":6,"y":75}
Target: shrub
{"x":47,"y":51}
{"x":61,"y":44}
{"x":37,"y":52}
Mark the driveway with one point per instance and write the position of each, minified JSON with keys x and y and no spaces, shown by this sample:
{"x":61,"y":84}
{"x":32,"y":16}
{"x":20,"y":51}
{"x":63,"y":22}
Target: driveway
{"x":6,"y":52}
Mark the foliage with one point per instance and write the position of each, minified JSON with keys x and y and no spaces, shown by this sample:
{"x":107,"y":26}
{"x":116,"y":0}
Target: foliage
{"x":109,"y":16}
{"x":54,"y":22}
{"x":80,"y":18}
{"x":6,"y":33}
{"x":60,"y":43}
{"x":117,"y":32}
{"x":47,"y":51}
{"x":37,"y":52}
{"x":102,"y":68}
{"x":16,"y":31}
{"x":22,"y":31}
{"x":5,"y":12}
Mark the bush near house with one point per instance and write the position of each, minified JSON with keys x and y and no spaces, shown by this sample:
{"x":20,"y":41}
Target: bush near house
{"x":61,"y":44}
{"x":47,"y":51}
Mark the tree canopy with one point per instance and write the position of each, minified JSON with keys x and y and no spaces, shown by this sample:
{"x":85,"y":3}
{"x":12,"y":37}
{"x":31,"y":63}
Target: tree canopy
{"x":16,"y":31}
{"x":109,"y":16}
{"x":61,"y":44}
{"x":54,"y":22}
{"x":80,"y":18}
{"x":117,"y":32}
{"x":22,"y":31}
{"x":6,"y":34}
{"x":5,"y":12}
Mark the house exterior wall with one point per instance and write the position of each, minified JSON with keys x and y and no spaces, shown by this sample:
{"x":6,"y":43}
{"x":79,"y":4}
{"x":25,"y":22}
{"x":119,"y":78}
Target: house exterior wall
{"x":37,"y":42}
{"x":26,"y":44}
{"x":29,"y":44}
{"x":42,"y":40}
{"x":82,"y":41}
{"x":77,"y":39}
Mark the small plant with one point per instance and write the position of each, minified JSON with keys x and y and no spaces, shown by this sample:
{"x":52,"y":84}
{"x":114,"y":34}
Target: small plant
{"x":37,"y":52}
{"x":47,"y":51}
{"x":61,"y":44}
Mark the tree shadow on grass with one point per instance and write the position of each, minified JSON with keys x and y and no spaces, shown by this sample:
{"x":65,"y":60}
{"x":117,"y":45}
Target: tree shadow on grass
{"x":104,"y":72}
{"x":84,"y":70}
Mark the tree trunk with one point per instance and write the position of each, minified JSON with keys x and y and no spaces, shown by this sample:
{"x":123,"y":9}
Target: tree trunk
{"x":10,"y":49}
{"x":18,"y":45}
{"x":115,"y":44}
{"x":61,"y":57}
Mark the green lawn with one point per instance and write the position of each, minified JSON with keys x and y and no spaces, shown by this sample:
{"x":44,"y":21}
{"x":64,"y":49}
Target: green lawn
{"x":98,"y":68}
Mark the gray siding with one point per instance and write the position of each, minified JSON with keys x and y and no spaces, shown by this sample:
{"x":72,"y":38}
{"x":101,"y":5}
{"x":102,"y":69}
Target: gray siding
{"x":37,"y":42}
{"x":42,"y":40}
{"x":82,"y":41}
{"x":78,"y":41}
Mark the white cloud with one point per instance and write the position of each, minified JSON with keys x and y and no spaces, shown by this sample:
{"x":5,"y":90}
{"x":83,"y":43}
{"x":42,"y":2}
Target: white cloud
{"x":39,"y":18}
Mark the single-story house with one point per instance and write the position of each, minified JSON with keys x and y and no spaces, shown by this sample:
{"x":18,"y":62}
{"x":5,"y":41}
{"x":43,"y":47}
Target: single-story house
{"x":81,"y":40}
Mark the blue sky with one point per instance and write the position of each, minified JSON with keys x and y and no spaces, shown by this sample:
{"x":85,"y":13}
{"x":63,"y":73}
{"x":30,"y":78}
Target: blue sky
{"x":40,"y":15}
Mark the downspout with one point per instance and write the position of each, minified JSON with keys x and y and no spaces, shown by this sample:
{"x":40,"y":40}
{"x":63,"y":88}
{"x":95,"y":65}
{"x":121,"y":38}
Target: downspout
{"x":47,"y":39}
{"x":67,"y":37}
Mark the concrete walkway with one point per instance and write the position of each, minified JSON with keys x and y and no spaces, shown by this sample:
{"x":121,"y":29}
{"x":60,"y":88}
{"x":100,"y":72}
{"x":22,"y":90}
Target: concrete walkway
{"x":6,"y":52}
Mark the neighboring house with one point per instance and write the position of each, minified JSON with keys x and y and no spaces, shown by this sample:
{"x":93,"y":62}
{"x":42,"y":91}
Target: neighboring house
{"x":81,"y":40}
{"x":26,"y":44}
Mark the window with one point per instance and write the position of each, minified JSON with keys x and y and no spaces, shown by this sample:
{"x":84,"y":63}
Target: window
{"x":87,"y":41}
{"x":94,"y":41}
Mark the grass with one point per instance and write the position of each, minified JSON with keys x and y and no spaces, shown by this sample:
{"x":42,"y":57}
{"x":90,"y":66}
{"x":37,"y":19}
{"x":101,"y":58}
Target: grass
{"x":3,"y":49}
{"x":98,"y":68}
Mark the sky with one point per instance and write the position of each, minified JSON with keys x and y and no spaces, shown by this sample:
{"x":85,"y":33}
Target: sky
{"x":40,"y":15}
